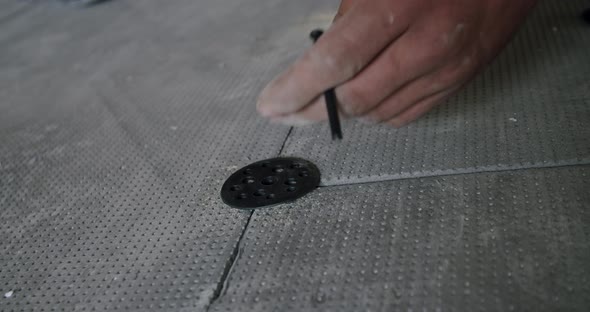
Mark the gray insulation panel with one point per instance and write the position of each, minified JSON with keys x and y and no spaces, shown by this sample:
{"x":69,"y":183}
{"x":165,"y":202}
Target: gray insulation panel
{"x":115,"y":138}
{"x":529,"y":109}
{"x":510,"y":241}
{"x":119,"y":124}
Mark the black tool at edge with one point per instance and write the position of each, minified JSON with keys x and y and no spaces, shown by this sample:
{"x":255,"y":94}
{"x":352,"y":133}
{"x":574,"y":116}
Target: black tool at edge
{"x":331,"y":100}
{"x":586,"y":15}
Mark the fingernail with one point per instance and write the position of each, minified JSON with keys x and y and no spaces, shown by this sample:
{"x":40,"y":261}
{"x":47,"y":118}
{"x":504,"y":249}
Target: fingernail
{"x":367,"y":121}
{"x":398,"y":123}
{"x":263,"y":110}
{"x":291,"y":121}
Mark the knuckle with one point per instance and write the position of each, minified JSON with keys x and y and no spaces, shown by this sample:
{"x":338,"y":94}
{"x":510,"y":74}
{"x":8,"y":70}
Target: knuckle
{"x":375,"y":116}
{"x":430,"y":52}
{"x":353,"y":100}
{"x":345,"y":66}
{"x":336,"y":65}
{"x":457,"y":71}
{"x":450,"y":37}
{"x":393,"y":61}
{"x":434,"y":54}
{"x":350,"y":110}
{"x":380,"y":114}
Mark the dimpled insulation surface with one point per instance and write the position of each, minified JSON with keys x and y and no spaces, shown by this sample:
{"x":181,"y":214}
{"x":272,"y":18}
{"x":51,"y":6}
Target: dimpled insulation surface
{"x":118,"y":126}
{"x":511,"y":241}
{"x":529,"y":109}
{"x":120,"y":123}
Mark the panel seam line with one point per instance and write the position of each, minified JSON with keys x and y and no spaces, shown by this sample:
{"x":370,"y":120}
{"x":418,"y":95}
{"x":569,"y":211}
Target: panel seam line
{"x":221,"y":286}
{"x":456,"y":174}
{"x":285,"y":141}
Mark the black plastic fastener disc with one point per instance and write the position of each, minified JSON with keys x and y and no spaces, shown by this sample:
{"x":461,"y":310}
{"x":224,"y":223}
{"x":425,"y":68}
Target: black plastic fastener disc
{"x":270,"y":182}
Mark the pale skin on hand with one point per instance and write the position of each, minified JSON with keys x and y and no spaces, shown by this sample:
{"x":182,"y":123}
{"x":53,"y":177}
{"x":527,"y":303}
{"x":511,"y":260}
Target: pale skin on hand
{"x":391,"y":61}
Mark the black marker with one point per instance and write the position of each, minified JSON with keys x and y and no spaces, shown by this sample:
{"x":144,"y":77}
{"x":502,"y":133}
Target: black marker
{"x":331,"y":100}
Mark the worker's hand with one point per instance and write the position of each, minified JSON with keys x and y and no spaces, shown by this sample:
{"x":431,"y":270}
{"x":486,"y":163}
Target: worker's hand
{"x":393,"y":60}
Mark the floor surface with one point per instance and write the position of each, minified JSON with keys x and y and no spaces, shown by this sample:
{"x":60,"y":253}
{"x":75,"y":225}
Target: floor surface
{"x":119,"y":123}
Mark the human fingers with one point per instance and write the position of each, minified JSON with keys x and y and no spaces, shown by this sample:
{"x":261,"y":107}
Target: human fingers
{"x":338,"y":55}
{"x":421,"y":108}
